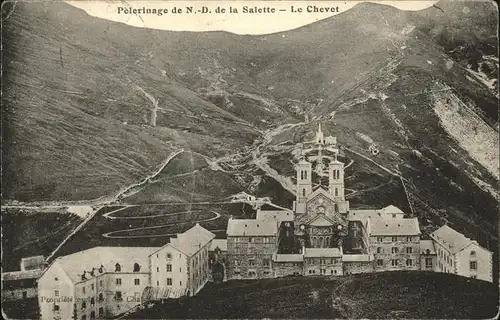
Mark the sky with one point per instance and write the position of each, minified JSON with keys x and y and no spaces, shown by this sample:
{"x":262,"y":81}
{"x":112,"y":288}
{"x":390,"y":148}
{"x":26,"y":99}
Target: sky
{"x":239,"y":23}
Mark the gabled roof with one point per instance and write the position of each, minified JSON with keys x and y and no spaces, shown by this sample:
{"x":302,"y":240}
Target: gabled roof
{"x":451,"y":239}
{"x":320,"y":221}
{"x":219,"y":243}
{"x":274,"y":215}
{"x":427,"y":245}
{"x":250,"y":227}
{"x":322,"y":253}
{"x":320,"y":191}
{"x":394,"y":227}
{"x":192,"y":240}
{"x":391,"y":209}
{"x":75,"y":264}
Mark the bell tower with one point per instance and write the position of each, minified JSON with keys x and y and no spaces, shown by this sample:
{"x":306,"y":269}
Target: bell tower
{"x":304,"y":180}
{"x":336,"y":179}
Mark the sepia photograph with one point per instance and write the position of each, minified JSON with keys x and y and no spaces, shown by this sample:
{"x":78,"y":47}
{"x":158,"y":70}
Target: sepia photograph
{"x":250,"y":159}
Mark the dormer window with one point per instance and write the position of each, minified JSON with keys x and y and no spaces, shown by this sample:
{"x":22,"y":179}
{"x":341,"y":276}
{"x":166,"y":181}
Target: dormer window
{"x":118,"y":267}
{"x":84,"y":277}
{"x":137,"y":267}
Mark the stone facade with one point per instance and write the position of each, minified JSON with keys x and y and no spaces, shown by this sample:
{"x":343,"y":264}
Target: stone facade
{"x":250,"y":257}
{"x":396,"y":252}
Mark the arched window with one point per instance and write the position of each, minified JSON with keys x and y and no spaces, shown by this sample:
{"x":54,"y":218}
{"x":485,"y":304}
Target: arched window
{"x":303,"y":192}
{"x":321,"y":242}
{"x":305,"y":175}
{"x":301,"y":175}
{"x":137,"y":267}
{"x":336,"y":192}
{"x":118,"y":267}
{"x":327,"y":242}
{"x":315,"y":242}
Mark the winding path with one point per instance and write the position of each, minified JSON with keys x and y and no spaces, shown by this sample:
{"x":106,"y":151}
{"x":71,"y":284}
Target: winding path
{"x":110,"y":235}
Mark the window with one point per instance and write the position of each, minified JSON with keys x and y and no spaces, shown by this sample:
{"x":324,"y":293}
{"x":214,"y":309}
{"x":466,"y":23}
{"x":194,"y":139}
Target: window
{"x":336,"y":192}
{"x":157,"y":269}
{"x":118,"y":295}
{"x":394,"y":262}
{"x":169,"y":256}
{"x":265,"y":240}
{"x":303,"y":192}
{"x":84,"y":317}
{"x":157,"y":283}
{"x":137,"y":267}
{"x":25,"y":294}
{"x":321,"y":261}
{"x":101,"y":311}
{"x":101,"y":297}
{"x":379,"y":239}
{"x":409,"y":250}
{"x":92,"y":315}
{"x":428,"y":262}
{"x":265,"y":262}
{"x":394,"y":239}
{"x":408,"y":239}
{"x":118,"y":281}
{"x":100,"y":283}
{"x":251,"y":262}
{"x":169,"y":268}
{"x":118,"y":268}
{"x":380,"y":262}
{"x":473,"y":265}
{"x":169,"y":282}
{"x":92,"y":286}
{"x":83,"y":290}
{"x":92,"y":301}
{"x":56,"y":293}
{"x":395,"y":250}
{"x":251,"y":240}
{"x":379,"y":250}
{"x":473,"y":253}
{"x":84,"y":305}
{"x":137,"y":282}
{"x":56,"y":307}
{"x":409,"y":262}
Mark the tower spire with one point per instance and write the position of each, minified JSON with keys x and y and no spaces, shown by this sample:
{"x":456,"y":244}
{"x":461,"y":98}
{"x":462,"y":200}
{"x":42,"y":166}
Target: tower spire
{"x":319,"y":127}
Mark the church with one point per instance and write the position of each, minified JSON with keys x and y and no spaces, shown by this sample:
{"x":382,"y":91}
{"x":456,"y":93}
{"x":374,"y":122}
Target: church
{"x":322,"y":235}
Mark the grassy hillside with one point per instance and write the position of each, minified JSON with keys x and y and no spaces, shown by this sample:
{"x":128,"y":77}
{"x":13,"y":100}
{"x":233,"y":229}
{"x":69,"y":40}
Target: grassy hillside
{"x":87,"y":113}
{"x":387,"y":295}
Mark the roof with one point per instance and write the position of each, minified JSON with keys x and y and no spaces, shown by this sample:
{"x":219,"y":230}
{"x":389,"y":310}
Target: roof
{"x":385,"y":213}
{"x":34,"y":261}
{"x":250,"y":227}
{"x":21,"y":275}
{"x":277,"y":215}
{"x":322,"y":252}
{"x":320,"y":221}
{"x":391,"y":209}
{"x":288,"y":258}
{"x":453,"y":240}
{"x":356,"y":258}
{"x":75,"y":264}
{"x":219,"y":243}
{"x":427,"y":245}
{"x":394,"y":227}
{"x":190,"y":241}
{"x":320,"y":190}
